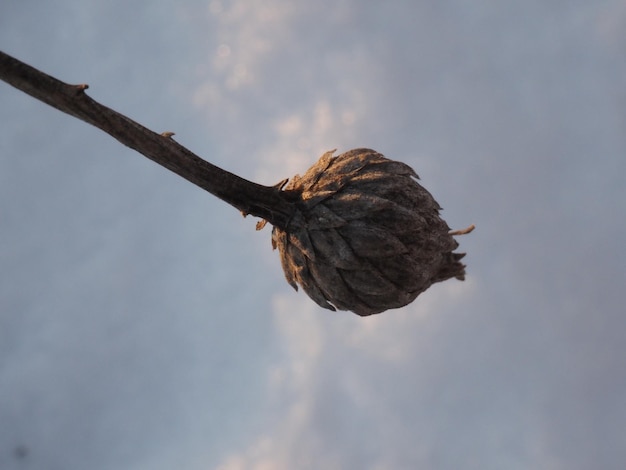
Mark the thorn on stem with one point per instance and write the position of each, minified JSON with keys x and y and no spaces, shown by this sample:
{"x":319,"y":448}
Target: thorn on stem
{"x":464,"y":231}
{"x":168,"y":134}
{"x":79,"y":90}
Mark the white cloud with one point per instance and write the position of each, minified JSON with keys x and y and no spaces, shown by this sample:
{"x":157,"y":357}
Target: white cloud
{"x":286,"y":98}
{"x":303,"y":136}
{"x":246,"y":32}
{"x":291,"y":383}
{"x":518,"y":365}
{"x":318,"y":345}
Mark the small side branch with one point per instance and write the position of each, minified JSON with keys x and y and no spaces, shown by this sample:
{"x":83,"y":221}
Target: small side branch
{"x":267,"y":202}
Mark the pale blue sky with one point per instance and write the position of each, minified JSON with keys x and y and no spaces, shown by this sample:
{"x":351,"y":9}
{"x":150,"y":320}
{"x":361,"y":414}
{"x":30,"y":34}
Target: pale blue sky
{"x":145,"y":325}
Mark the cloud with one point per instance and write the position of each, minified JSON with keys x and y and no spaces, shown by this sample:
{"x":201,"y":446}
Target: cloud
{"x":326,"y":406}
{"x":284,"y":87}
{"x":246,"y":33}
{"x":145,"y":330}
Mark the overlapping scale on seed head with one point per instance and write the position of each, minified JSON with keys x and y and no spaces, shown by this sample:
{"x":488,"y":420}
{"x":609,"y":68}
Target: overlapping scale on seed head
{"x":367,"y":237}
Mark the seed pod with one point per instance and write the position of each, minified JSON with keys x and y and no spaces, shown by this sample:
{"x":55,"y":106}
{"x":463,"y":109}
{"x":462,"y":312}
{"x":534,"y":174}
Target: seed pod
{"x":367,"y":237}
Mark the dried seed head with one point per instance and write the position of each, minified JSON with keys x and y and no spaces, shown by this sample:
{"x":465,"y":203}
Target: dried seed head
{"x":367,"y":237}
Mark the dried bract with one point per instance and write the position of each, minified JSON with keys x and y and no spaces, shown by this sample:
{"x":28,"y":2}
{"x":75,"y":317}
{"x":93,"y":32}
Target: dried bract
{"x":367,"y":237}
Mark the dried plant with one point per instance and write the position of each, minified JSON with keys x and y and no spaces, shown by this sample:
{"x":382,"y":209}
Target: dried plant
{"x":367,"y":237}
{"x":357,"y":231}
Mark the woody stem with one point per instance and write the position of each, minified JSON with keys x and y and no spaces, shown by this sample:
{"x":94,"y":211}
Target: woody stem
{"x":267,"y":202}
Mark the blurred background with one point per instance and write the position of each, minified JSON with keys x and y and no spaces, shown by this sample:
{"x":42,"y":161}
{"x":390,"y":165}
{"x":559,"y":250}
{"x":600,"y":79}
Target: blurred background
{"x":144,"y":324}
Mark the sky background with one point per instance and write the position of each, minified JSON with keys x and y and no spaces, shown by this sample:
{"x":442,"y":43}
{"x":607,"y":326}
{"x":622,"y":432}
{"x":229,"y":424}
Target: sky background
{"x":144,"y":324}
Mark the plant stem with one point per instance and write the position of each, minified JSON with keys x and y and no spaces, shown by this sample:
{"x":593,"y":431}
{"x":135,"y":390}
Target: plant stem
{"x":267,"y":202}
